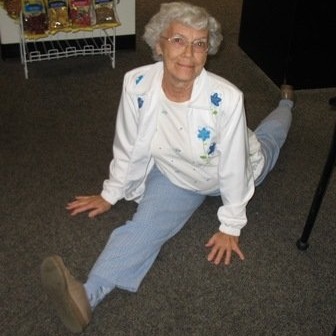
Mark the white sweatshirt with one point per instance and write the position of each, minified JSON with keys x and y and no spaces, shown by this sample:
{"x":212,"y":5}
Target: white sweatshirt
{"x":222,"y":155}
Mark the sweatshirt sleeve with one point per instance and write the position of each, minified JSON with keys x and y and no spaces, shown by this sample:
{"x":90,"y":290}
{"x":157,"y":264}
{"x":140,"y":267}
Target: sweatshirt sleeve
{"x":125,"y":137}
{"x":235,"y":172}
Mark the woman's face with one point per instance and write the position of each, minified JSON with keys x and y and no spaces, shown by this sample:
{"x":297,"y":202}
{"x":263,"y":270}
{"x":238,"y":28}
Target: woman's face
{"x":183,"y":62}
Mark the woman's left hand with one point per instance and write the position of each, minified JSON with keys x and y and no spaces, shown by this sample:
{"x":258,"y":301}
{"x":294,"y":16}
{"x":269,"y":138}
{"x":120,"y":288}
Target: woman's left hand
{"x":222,"y":245}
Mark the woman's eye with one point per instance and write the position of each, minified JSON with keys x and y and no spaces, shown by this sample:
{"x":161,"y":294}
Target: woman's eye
{"x":200,"y":44}
{"x":178,"y":40}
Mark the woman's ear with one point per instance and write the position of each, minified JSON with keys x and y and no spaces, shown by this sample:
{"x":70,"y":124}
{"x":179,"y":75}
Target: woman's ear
{"x":158,"y":49}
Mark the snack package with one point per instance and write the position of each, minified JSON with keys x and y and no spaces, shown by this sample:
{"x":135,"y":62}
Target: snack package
{"x":80,"y":13}
{"x":58,"y":15}
{"x":13,"y":8}
{"x":104,"y":11}
{"x":35,"y":20}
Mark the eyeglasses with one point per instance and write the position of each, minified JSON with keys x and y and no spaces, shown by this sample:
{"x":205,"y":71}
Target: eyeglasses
{"x":180,"y":42}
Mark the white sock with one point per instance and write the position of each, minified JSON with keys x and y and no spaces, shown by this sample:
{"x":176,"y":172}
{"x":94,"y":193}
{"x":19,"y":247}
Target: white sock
{"x":96,"y":293}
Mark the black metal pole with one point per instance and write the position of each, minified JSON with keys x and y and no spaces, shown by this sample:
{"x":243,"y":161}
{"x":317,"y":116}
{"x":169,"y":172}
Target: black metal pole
{"x":302,"y":243}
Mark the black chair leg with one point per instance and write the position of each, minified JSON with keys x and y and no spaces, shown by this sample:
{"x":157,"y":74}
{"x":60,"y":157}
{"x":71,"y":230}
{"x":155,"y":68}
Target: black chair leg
{"x":302,"y":243}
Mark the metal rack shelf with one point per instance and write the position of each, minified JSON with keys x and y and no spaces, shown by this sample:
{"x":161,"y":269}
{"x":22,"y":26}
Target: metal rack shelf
{"x":56,"y":46}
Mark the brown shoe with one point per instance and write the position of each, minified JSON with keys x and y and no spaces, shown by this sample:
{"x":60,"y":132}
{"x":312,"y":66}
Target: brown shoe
{"x":67,"y":295}
{"x":287,"y":92}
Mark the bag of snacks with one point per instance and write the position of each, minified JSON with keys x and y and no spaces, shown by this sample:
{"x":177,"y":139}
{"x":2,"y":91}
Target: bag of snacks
{"x":80,"y":13}
{"x":13,"y":8}
{"x":58,"y":15}
{"x":35,"y":20}
{"x":104,"y":11}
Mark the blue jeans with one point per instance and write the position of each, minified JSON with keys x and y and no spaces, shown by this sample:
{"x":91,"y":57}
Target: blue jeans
{"x":272,"y":133}
{"x":162,"y":212}
{"x":133,"y":247}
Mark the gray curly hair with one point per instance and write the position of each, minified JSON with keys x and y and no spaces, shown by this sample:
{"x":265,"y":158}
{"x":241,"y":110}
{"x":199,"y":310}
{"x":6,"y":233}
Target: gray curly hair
{"x":187,"y":14}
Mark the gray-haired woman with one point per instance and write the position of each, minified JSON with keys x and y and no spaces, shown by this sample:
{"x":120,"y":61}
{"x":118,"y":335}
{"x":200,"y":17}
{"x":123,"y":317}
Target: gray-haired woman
{"x":181,"y":136}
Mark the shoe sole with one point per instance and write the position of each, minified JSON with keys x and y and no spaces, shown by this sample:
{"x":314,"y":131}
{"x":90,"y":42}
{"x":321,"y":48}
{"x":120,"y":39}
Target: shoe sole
{"x":55,"y":284}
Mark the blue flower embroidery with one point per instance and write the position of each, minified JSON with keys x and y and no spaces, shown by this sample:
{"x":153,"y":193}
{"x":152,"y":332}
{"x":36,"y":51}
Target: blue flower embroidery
{"x":212,"y":148}
{"x":215,"y":102}
{"x":203,"y":134}
{"x":208,"y":148}
{"x":215,"y":99}
{"x":139,"y":79}
{"x":140,"y":102}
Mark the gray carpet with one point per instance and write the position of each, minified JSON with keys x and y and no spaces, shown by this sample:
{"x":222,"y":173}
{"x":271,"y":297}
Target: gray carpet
{"x":56,"y":135}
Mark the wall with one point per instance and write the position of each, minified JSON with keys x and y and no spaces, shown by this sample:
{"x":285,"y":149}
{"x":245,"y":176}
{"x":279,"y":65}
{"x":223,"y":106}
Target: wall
{"x":291,"y":39}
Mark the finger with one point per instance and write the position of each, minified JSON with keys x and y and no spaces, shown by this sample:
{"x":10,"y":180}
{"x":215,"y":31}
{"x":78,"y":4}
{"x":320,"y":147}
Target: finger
{"x":94,"y":213}
{"x":76,"y":211}
{"x":216,"y":255}
{"x":100,"y":208}
{"x":240,"y":253}
{"x":219,"y":256}
{"x":83,"y":197}
{"x":209,"y":243}
{"x":212,"y":254}
{"x":81,"y":208}
{"x":78,"y":202}
{"x":227,"y":259}
{"x":71,"y":205}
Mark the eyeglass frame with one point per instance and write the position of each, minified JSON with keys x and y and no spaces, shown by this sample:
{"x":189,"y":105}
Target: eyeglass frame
{"x":186,"y":43}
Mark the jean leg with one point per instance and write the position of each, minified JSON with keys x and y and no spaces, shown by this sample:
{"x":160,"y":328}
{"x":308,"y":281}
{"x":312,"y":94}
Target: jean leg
{"x":272,"y":133}
{"x":133,"y":247}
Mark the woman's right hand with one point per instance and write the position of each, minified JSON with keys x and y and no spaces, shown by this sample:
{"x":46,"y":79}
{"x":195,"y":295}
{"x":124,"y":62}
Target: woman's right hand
{"x":95,"y":205}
